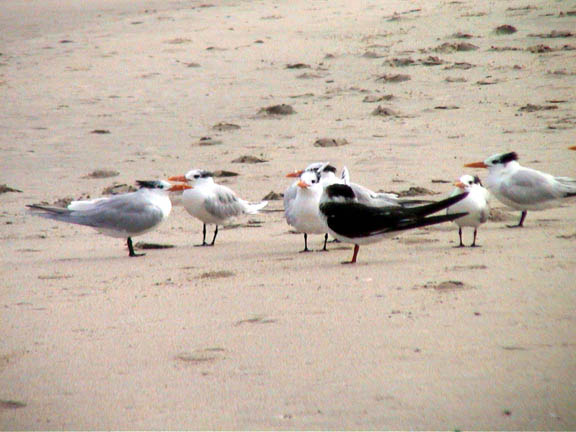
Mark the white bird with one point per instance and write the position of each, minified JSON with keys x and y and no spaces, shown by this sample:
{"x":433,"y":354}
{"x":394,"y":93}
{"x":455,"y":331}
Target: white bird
{"x":353,"y":222}
{"x":524,"y":188}
{"x":122,"y":216}
{"x":475,"y":204}
{"x":212,"y":203}
{"x":363,"y":194}
{"x":292,"y":190}
{"x":303,"y":213}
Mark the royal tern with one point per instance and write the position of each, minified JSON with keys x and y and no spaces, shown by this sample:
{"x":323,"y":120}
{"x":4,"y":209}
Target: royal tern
{"x":212,"y":203}
{"x":303,"y":213}
{"x":352,"y":222}
{"x":363,"y":194}
{"x":292,"y":190}
{"x":124,"y":216}
{"x":475,"y":204}
{"x":524,"y":188}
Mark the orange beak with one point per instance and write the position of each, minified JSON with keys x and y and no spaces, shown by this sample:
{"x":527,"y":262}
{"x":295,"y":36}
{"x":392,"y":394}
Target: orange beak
{"x":303,"y":184}
{"x":476,"y":165}
{"x":572,"y":148}
{"x":179,"y":178}
{"x":296,"y":173}
{"x":179,"y":187}
{"x":459,"y":184}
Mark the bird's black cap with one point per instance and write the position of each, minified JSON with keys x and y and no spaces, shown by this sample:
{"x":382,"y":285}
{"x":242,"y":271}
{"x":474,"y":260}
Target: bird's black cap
{"x":507,"y":157}
{"x":340,"y":191}
{"x":149,"y":184}
{"x":329,"y":168}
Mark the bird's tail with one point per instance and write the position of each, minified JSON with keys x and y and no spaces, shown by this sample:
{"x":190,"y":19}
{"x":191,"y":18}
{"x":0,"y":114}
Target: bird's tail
{"x":56,"y":213}
{"x":252,"y":208}
{"x":345,"y":176}
{"x":568,"y":186}
{"x":419,"y":223}
{"x":434,"y":207}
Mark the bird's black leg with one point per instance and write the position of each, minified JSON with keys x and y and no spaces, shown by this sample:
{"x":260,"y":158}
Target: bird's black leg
{"x":460,"y":236}
{"x":521,"y":223}
{"x":305,"y":243}
{"x":131,"y":249}
{"x":325,"y":242}
{"x":474,"y":241}
{"x":215,"y":234}
{"x":524,"y":213}
{"x":203,"y":236}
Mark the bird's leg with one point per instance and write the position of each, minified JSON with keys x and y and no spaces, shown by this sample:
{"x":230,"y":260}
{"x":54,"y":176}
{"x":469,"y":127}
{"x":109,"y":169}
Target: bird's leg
{"x":131,"y":249}
{"x":460,"y":235}
{"x":521,"y":223}
{"x":356,"y":249}
{"x":203,"y":236}
{"x":325,"y":242}
{"x":474,"y":241}
{"x":305,"y":244}
{"x":215,"y":234}
{"x":524,"y":213}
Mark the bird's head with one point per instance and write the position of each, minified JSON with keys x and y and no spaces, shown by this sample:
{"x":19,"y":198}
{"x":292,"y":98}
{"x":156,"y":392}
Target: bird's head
{"x":500,"y":159}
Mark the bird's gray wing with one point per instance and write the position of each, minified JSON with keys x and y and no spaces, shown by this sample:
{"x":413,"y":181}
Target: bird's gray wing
{"x":289,"y":197}
{"x":369,"y":197}
{"x":529,"y":187}
{"x":224,"y":204}
{"x":129,"y":213}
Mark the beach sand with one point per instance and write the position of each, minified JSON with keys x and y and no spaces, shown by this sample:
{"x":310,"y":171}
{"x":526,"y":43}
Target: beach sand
{"x":252,"y":334}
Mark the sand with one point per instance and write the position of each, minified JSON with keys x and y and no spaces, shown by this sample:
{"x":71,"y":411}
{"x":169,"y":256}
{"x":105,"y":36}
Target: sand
{"x":251,"y":334}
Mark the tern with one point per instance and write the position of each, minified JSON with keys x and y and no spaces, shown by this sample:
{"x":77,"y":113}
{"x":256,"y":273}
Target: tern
{"x":475,"y":204}
{"x":524,"y":188}
{"x":122,"y":216}
{"x":353,"y":222}
{"x":292,"y":190}
{"x":212,"y":203}
{"x":363,"y":194}
{"x":303,"y":213}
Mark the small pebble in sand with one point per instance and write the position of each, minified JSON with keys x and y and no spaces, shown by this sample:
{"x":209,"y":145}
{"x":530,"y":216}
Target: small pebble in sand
{"x":393,"y":78}
{"x":505,"y":29}
{"x":118,"y":188}
{"x":248,"y":159}
{"x":277,"y":110}
{"x":101,"y":173}
{"x":225,"y":127}
{"x":297,"y":66}
{"x":208,"y":141}
{"x":533,"y":108}
{"x":224,"y":173}
{"x":385,"y":112}
{"x":273,"y":196}
{"x":330,"y":142}
{"x":5,"y":188}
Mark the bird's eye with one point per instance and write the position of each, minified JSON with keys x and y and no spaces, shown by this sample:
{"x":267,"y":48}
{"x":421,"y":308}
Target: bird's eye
{"x":196,"y":175}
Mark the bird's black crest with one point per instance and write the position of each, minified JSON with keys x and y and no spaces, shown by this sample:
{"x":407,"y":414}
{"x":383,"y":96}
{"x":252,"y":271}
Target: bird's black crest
{"x":340,"y":190}
{"x":206,"y":174}
{"x":508,"y":157}
{"x":329,"y":168}
{"x":149,"y":184}
{"x":477,"y":180}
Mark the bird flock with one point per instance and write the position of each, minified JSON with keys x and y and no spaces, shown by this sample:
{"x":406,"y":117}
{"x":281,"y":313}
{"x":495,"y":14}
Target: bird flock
{"x":320,"y":202}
